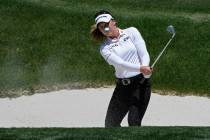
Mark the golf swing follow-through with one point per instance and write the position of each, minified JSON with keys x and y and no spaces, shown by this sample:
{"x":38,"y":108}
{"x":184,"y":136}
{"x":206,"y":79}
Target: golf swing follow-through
{"x":126,"y":51}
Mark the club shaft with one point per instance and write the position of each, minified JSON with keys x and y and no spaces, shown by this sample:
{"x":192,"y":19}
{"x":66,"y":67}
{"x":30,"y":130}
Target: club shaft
{"x":162,"y":51}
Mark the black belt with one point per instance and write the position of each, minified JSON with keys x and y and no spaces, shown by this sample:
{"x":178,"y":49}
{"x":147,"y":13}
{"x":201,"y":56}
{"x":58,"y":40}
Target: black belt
{"x":131,"y":80}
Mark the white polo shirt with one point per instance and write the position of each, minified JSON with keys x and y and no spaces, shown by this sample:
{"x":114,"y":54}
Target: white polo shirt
{"x":126,"y":53}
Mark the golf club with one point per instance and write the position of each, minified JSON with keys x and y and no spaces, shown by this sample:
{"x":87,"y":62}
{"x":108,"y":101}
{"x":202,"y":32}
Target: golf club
{"x":171,"y":30}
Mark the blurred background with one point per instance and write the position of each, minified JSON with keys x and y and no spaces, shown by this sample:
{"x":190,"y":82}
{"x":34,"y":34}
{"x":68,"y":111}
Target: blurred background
{"x":45,"y":44}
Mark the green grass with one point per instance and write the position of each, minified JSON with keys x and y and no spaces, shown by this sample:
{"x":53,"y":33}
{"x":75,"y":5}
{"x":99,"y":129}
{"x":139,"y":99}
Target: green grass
{"x":133,"y":133}
{"x":46,"y":43}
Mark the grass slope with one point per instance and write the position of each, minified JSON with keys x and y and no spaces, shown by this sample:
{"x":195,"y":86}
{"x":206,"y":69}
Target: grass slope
{"x":133,"y":133}
{"x":46,"y":43}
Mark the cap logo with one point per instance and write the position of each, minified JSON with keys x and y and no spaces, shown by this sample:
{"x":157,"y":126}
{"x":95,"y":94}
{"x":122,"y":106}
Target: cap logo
{"x":103,"y":18}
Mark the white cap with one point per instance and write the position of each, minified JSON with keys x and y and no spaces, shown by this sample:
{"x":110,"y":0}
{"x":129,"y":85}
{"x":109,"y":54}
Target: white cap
{"x":103,"y":18}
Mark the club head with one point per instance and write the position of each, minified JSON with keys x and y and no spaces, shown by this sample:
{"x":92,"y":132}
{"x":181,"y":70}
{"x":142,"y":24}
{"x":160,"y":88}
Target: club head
{"x":171,"y":29}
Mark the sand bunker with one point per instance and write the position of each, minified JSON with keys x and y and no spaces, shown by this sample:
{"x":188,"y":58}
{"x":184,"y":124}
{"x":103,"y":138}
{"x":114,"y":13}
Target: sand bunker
{"x":87,"y":108}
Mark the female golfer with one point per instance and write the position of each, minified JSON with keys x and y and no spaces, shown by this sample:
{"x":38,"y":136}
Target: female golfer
{"x":124,"y":49}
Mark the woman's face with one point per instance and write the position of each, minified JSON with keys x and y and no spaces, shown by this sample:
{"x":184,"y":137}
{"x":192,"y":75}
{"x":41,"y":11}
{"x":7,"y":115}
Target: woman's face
{"x":112,"y":27}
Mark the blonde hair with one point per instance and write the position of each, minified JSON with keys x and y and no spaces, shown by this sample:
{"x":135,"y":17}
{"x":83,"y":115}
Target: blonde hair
{"x":96,"y":34}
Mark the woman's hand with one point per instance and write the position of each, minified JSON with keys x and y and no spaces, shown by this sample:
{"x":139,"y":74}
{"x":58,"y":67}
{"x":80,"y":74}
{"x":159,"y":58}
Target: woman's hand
{"x":146,"y":70}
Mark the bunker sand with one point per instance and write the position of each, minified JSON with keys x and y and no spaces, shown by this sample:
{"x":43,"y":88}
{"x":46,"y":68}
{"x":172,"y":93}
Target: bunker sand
{"x":87,"y":108}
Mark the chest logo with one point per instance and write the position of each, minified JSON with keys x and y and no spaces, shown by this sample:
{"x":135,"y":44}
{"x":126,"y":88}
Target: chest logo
{"x":112,"y":46}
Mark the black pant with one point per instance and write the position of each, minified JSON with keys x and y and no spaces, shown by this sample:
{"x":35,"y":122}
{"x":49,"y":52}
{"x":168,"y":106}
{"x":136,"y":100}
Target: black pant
{"x":132,"y":98}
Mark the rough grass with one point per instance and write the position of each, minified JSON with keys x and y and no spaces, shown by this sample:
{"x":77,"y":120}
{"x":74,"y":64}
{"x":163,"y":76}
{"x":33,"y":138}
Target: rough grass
{"x":47,"y":43}
{"x":132,"y":133}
